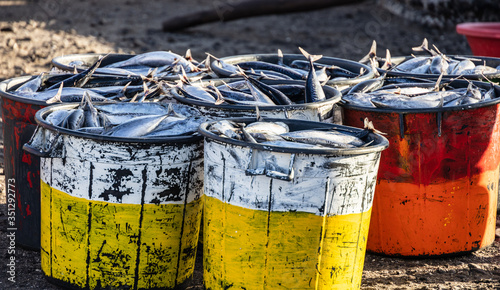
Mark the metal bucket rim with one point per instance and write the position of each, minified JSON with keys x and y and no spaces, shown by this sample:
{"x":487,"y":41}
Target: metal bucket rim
{"x":381,"y":143}
{"x":370,"y":73}
{"x":399,"y":59}
{"x":432,"y":110}
{"x":40,"y":120}
{"x":337,"y":96}
{"x":16,"y":98}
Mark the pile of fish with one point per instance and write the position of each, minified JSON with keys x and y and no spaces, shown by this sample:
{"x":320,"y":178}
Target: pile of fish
{"x":297,"y":70}
{"x":136,"y":79}
{"x":433,"y":62}
{"x":156,"y":64}
{"x":252,"y":90}
{"x":374,"y":94}
{"x":279,"y":134}
{"x":129,"y":120}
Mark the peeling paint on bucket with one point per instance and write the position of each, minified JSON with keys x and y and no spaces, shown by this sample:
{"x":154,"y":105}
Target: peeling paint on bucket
{"x":18,"y":115}
{"x":437,"y":186}
{"x":283,"y":217}
{"x":118,"y":213}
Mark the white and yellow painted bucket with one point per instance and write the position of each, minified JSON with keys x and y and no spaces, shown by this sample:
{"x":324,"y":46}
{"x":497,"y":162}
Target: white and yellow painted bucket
{"x":286,"y":218}
{"x":117,"y":214}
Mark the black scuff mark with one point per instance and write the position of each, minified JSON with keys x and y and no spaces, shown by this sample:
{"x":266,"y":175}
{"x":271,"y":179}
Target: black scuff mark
{"x":117,"y":177}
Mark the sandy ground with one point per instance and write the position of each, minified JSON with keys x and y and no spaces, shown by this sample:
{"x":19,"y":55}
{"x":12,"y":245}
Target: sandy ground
{"x":34,"y":32}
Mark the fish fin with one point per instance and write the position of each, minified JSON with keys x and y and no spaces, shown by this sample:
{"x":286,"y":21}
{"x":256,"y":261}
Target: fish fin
{"x":134,"y":98}
{"x":280,"y":57}
{"x":90,"y":71}
{"x":183,"y":76}
{"x":374,"y":65}
{"x":423,"y":47}
{"x":370,"y":128}
{"x":212,"y":56}
{"x":371,"y":54}
{"x":220,"y":98}
{"x":437,"y":86}
{"x":310,"y":57}
{"x":258,"y":117}
{"x":388,"y":61}
{"x":57,"y":97}
{"x":188,"y":56}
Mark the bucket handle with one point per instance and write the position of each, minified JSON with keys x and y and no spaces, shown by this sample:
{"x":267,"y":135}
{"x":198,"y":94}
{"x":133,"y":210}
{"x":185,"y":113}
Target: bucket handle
{"x":36,"y":144}
{"x":270,"y":168}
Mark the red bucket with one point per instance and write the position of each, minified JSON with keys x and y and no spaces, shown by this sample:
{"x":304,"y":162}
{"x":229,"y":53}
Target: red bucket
{"x":437,"y":184}
{"x":22,"y":170}
{"x":483,"y":37}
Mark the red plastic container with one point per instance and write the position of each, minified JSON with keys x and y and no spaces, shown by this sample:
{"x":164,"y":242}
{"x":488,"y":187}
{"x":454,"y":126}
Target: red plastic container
{"x":483,"y":37}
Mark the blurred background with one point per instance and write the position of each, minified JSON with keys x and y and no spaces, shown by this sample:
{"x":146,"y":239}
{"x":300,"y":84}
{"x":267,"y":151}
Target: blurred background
{"x":33,"y":32}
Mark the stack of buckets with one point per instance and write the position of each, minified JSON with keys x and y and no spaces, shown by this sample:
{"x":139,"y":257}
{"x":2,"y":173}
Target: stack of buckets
{"x":127,"y":214}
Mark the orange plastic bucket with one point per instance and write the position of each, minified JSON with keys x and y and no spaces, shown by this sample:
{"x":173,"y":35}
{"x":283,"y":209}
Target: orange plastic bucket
{"x":437,"y":185}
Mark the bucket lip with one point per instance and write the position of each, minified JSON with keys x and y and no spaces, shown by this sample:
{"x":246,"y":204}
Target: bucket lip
{"x":479,"y":29}
{"x":381,"y":142}
{"x":40,"y":114}
{"x":399,"y":59}
{"x":5,"y":94}
{"x":369,"y":74}
{"x":337,"y":96}
{"x":432,"y":110}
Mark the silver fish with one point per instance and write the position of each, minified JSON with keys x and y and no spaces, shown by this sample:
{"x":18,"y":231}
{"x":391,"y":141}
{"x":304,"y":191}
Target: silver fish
{"x":30,"y":86}
{"x":125,"y":108}
{"x":314,"y":91}
{"x":329,"y":138}
{"x":155,"y":59}
{"x":57,"y":117}
{"x":225,"y":128}
{"x":439,"y":65}
{"x":404,"y":102}
{"x":413,"y":63}
{"x":267,"y":127}
{"x":74,"y":120}
{"x":463,"y":66}
{"x":359,"y":99}
{"x":179,"y":127}
{"x":136,"y":127}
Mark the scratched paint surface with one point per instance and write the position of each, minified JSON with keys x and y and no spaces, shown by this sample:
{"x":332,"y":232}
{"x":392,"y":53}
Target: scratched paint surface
{"x":435,"y":195}
{"x":120,"y":217}
{"x":19,"y":124}
{"x":306,"y":233}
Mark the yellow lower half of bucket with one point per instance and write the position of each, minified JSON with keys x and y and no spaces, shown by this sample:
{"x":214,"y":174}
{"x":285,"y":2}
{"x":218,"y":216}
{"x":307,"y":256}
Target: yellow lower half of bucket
{"x":95,"y":244}
{"x":256,"y":249}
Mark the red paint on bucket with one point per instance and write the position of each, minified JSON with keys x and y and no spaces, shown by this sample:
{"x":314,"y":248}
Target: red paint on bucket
{"x":26,"y":158}
{"x":483,"y":37}
{"x":19,"y":124}
{"x":435,"y":195}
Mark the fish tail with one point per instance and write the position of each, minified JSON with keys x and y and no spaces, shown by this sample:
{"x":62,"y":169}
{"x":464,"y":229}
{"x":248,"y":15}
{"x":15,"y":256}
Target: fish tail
{"x":371,"y":54}
{"x":310,"y":57}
